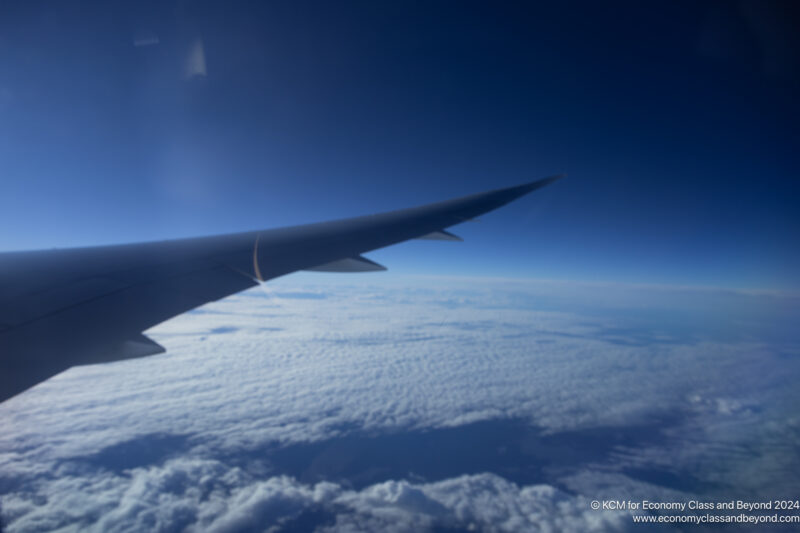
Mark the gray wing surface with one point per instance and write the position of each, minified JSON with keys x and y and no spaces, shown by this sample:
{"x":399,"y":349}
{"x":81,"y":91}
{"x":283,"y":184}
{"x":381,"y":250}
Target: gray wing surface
{"x":66,"y":307}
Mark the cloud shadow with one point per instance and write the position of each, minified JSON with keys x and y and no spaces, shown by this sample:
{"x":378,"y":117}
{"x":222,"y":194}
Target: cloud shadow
{"x":511,"y":448}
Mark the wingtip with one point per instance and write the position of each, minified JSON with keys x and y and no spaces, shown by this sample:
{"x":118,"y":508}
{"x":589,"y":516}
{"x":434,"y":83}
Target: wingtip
{"x":525,"y":188}
{"x":546,"y":181}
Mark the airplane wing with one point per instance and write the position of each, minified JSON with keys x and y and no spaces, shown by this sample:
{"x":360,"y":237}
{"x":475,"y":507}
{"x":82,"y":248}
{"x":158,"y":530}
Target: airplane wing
{"x":61,"y":308}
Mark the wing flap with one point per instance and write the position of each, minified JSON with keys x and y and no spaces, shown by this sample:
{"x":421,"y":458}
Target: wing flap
{"x":139,"y":346}
{"x":440,"y":235}
{"x":349,"y":264}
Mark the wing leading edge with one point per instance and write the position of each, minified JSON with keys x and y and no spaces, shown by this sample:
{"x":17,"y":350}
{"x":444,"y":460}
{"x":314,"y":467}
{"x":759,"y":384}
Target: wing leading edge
{"x":61,"y":308}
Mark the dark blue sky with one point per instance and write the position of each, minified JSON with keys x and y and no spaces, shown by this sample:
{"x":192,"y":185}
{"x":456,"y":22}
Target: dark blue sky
{"x":676,"y":122}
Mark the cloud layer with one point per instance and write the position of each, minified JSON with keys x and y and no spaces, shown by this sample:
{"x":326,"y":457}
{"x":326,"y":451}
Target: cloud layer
{"x":246,"y":422}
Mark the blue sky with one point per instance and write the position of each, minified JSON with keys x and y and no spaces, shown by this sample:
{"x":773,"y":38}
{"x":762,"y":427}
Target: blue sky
{"x":676,"y":122}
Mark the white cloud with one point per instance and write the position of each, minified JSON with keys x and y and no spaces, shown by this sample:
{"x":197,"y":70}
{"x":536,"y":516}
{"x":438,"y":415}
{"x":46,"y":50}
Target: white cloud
{"x":209,"y":496}
{"x":663,"y":382}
